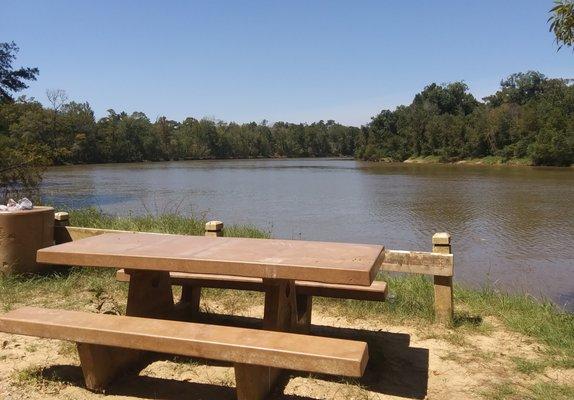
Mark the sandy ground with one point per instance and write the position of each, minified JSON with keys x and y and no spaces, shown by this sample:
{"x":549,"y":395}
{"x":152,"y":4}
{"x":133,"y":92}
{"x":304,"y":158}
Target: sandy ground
{"x":410,"y":362}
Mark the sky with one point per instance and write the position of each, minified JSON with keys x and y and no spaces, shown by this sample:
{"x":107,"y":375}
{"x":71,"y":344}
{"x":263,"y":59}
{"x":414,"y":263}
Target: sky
{"x":296,"y":61}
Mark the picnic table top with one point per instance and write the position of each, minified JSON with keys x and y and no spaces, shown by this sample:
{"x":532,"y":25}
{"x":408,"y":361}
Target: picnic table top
{"x":339,"y":263}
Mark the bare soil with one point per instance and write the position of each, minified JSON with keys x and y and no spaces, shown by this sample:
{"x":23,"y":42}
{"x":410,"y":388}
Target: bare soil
{"x":413,"y":362}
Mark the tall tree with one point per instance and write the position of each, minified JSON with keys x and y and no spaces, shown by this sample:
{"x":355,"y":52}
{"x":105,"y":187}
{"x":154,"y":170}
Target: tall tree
{"x":21,"y":163}
{"x":13,"y":80}
{"x":562,"y":22}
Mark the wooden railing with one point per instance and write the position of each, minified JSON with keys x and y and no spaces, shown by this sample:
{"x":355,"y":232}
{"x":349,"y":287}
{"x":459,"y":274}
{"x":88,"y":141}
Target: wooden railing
{"x":439,"y":263}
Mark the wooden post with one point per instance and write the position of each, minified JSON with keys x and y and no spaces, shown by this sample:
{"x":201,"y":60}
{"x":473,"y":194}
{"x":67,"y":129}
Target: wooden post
{"x":61,"y":221}
{"x":443,"y":301}
{"x":61,"y":218}
{"x":214,"y":228}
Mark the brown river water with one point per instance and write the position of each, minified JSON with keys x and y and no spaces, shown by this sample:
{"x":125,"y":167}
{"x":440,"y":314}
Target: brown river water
{"x":511,"y":227}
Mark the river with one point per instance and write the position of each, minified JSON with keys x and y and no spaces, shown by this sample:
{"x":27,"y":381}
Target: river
{"x":511,"y":227}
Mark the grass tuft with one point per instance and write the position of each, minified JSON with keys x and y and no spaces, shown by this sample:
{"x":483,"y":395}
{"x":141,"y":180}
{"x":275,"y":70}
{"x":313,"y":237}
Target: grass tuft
{"x":550,"y":391}
{"x":47,"y":380}
{"x":500,"y":391}
{"x":528,"y":367}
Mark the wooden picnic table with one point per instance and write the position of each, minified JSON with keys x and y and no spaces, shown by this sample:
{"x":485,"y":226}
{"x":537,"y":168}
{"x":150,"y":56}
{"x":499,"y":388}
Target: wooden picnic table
{"x":340,"y":263}
{"x":149,"y":258}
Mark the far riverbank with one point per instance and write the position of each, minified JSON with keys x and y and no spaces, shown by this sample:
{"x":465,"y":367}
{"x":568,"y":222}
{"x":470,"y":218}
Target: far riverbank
{"x":484,"y":161}
{"x":490,"y":161}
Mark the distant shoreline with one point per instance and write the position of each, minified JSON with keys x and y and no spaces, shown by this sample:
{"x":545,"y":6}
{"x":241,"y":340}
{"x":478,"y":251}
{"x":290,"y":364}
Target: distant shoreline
{"x":489,"y":161}
{"x":486,"y":161}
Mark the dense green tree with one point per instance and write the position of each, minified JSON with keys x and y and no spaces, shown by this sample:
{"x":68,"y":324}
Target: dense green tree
{"x":22,"y":156}
{"x":79,"y":133}
{"x":20,"y":169}
{"x":530,"y":116}
{"x":518,"y":88}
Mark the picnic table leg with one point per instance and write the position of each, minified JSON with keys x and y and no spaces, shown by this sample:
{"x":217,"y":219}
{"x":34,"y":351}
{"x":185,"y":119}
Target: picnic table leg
{"x":255,"y":382}
{"x":304,"y":308}
{"x":280,"y":305}
{"x":149,"y":295}
{"x":189,"y":302}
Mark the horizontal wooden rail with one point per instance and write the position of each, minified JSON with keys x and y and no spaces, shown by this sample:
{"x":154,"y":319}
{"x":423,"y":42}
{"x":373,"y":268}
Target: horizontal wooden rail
{"x":418,"y":262}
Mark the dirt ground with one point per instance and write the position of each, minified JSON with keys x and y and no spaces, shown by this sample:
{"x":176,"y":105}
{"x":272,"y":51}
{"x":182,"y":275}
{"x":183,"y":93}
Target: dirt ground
{"x":412,"y":362}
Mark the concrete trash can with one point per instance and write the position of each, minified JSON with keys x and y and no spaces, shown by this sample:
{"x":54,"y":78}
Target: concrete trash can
{"x":22,"y":233}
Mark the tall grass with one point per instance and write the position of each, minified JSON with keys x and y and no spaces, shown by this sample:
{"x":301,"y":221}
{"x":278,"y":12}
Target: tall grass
{"x":538,"y":319}
{"x":410,"y":299}
{"x":72,"y":288}
{"x":163,"y":223}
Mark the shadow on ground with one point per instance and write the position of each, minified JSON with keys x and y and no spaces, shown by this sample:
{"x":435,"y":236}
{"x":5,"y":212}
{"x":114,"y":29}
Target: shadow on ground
{"x":394,"y":368}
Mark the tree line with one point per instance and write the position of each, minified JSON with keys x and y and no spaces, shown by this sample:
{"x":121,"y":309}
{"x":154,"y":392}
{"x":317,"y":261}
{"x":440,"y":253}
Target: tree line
{"x":530,"y":116}
{"x":71,"y":134}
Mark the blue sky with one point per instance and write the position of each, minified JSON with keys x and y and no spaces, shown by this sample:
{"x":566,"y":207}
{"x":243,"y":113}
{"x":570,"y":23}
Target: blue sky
{"x":297,"y":61}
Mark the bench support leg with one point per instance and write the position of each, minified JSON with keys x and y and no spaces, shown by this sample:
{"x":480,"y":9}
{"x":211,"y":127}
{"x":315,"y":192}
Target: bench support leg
{"x":102,"y":364}
{"x":280,"y":314}
{"x":254,"y":382}
{"x":150,"y":296}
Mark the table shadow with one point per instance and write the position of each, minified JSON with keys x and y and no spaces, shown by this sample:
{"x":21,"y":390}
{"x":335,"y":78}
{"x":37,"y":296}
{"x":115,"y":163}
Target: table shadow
{"x":147,"y":387}
{"x":394,"y":367}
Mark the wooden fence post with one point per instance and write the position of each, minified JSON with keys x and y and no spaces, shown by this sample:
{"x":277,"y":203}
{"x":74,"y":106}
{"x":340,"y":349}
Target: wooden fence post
{"x":61,"y":218}
{"x":443,"y":301}
{"x":214,"y":228}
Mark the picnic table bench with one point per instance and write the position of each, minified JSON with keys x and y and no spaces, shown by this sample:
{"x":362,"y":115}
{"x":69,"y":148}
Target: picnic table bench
{"x":108,"y":345}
